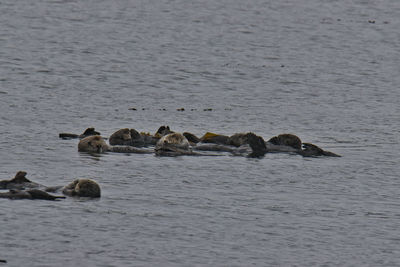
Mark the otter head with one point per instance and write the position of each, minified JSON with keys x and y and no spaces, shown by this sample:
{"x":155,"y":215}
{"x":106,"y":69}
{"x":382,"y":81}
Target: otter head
{"x":172,"y":141}
{"x":123,"y":134}
{"x":286,"y":140}
{"x":83,"y":188}
{"x":93,"y":144}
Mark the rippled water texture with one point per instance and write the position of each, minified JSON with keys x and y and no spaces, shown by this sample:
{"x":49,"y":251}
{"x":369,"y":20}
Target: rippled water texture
{"x":327,"y":71}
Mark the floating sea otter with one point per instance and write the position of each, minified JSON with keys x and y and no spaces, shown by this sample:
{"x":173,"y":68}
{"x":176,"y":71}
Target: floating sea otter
{"x":29,"y":194}
{"x":131,"y":137}
{"x":292,"y":144}
{"x":176,"y":144}
{"x":289,"y":143}
{"x":173,"y":144}
{"x":22,"y":188}
{"x":97,"y":144}
{"x":87,"y":132}
{"x":82,"y":188}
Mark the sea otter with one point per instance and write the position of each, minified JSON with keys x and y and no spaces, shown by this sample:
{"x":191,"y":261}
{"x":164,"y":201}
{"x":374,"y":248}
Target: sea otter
{"x":97,"y":144}
{"x":22,"y":188}
{"x":288,"y":143}
{"x":311,"y":150}
{"x":289,"y":140}
{"x":131,"y":137}
{"x":176,"y":144}
{"x":29,"y":194}
{"x":19,"y":182}
{"x":237,"y":140}
{"x":237,"y":144}
{"x":173,"y":144}
{"x":87,"y":132}
{"x":82,"y":188}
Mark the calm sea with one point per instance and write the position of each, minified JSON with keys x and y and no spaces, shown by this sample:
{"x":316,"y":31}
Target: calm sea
{"x":325,"y":70}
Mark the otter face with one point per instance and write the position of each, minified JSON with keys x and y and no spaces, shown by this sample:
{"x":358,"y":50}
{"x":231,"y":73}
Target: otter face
{"x":93,"y":144}
{"x":172,"y":141}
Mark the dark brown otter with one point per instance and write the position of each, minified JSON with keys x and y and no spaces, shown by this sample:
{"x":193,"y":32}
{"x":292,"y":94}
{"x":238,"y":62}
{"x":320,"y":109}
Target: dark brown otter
{"x":87,"y":132}
{"x":290,"y":140}
{"x":97,"y":144}
{"x":22,"y":188}
{"x":18,"y":182}
{"x":29,"y":194}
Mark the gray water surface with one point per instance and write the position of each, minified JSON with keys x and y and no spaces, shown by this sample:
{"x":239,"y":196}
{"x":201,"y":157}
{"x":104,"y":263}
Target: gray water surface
{"x":327,"y":71}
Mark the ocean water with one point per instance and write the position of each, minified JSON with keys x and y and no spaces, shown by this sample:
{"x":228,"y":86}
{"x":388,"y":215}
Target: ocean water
{"x":326,"y":71}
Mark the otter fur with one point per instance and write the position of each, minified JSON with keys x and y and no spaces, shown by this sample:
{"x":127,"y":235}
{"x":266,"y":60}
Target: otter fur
{"x":29,"y":194}
{"x":87,"y":132}
{"x":290,"y":140}
{"x":311,"y":150}
{"x":121,"y":137}
{"x":82,"y":188}
{"x":97,"y":144}
{"x":93,"y":144}
{"x":287,"y":143}
{"x":163,"y":130}
{"x":22,"y":188}
{"x":238,"y":139}
{"x":19,"y":182}
{"x":173,"y":142}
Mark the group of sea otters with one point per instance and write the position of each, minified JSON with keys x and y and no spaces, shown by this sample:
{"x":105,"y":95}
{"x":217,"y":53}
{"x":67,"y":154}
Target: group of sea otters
{"x":163,"y":143}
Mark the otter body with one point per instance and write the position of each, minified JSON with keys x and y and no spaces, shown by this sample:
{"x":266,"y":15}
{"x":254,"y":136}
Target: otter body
{"x":288,"y":143}
{"x":86,"y":133}
{"x":19,"y":182}
{"x":25,"y":189}
{"x":29,"y":194}
{"x":97,"y":144}
{"x":131,"y":137}
{"x":173,"y":144}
